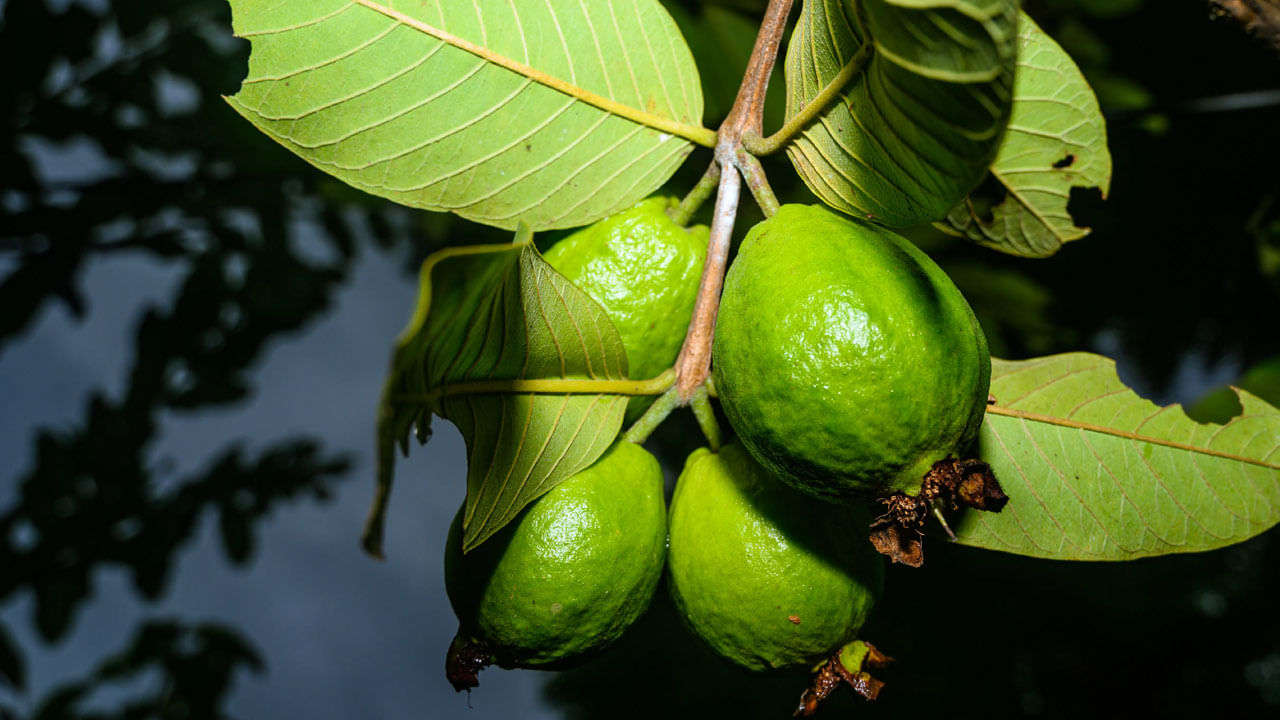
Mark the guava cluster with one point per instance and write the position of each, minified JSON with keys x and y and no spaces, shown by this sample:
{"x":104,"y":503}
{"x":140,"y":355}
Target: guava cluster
{"x":846,"y":363}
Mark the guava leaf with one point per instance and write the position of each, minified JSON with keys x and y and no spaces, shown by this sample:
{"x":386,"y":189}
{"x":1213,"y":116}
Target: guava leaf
{"x":1094,"y":472}
{"x":1056,"y":140}
{"x":915,"y":129}
{"x":489,"y":317}
{"x":555,"y":113}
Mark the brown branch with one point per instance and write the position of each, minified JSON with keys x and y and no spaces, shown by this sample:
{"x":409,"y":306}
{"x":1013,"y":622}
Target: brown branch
{"x":747,"y":114}
{"x":1260,"y":18}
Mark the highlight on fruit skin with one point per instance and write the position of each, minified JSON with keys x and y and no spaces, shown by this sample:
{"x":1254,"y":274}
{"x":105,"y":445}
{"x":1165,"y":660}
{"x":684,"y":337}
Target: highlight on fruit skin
{"x":767,"y":577}
{"x":845,"y":359}
{"x":643,"y":269}
{"x":567,"y":576}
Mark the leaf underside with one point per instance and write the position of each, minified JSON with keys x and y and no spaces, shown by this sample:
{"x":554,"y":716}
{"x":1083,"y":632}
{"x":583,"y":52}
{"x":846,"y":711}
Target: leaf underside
{"x":1094,"y":472}
{"x":915,"y":130}
{"x":383,"y":96}
{"x":1056,"y":140}
{"x":502,"y":313}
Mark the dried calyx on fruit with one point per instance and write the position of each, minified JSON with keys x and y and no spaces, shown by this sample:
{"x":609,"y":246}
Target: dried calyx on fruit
{"x":852,"y":368}
{"x":772,"y":579}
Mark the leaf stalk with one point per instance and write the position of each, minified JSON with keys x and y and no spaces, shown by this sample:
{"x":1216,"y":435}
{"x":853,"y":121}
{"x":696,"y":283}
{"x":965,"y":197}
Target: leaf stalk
{"x":682,"y":214}
{"x":642,"y":428}
{"x":757,"y":145}
{"x":757,"y":182}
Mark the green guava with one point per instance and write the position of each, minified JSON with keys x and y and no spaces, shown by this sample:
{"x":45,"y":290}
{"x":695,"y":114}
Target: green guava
{"x":847,"y":361}
{"x":567,"y":576}
{"x":768,"y":577}
{"x":643,"y":269}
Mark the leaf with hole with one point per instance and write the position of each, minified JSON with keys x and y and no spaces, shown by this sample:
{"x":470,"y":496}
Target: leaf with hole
{"x":489,"y":319}
{"x":1056,"y":140}
{"x":1094,"y":472}
{"x":555,"y":113}
{"x":924,"y":92}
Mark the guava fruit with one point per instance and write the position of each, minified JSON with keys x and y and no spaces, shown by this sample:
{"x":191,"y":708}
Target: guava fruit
{"x":847,"y":361}
{"x":643,"y":269}
{"x":567,"y":576}
{"x":768,"y":577}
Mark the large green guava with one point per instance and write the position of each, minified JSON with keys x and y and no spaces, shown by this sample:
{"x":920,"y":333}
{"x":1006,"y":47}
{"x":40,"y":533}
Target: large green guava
{"x":768,"y":577}
{"x":567,"y":576}
{"x":847,"y":361}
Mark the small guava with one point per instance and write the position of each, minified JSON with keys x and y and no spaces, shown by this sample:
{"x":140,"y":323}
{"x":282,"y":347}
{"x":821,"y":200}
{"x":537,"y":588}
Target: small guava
{"x":845,"y":359}
{"x":768,"y":577}
{"x":567,"y":576}
{"x":643,"y":269}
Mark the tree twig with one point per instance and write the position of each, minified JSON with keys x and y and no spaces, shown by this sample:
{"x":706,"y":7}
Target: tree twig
{"x":1260,"y":18}
{"x":747,"y":115}
{"x":757,"y":145}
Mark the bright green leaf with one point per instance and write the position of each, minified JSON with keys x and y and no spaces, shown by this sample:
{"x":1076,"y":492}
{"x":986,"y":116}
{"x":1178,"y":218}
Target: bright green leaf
{"x":491,"y":319}
{"x":1094,"y":472}
{"x":1056,"y":140}
{"x":555,"y":113}
{"x":917,"y":125}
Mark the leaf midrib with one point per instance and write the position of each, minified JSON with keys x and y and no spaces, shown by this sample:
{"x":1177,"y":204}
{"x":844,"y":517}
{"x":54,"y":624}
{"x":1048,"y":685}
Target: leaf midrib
{"x":1116,"y":432}
{"x":694,"y":133}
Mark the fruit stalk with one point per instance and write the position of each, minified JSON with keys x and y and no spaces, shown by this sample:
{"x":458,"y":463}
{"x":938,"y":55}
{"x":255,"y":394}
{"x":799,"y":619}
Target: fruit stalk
{"x":746,"y":115}
{"x":683,"y":213}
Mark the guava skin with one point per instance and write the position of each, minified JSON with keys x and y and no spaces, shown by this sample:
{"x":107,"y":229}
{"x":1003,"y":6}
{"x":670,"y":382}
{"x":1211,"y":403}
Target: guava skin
{"x":643,"y":269}
{"x":769,"y":578}
{"x":571,"y":572}
{"x":845,"y":359}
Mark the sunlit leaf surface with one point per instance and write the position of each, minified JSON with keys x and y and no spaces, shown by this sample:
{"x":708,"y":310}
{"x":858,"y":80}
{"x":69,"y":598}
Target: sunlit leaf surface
{"x":555,"y":112}
{"x":1094,"y":472}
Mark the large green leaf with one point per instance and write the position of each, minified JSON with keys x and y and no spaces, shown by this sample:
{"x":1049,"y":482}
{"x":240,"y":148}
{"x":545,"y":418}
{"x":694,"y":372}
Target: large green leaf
{"x":1094,"y":472}
{"x":555,"y":113}
{"x":1056,"y":140}
{"x":490,"y":319}
{"x":915,"y":128}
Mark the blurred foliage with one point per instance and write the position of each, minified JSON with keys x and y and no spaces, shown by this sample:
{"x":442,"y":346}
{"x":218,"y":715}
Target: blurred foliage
{"x":1221,"y":404}
{"x":115,"y":141}
{"x":196,"y":662}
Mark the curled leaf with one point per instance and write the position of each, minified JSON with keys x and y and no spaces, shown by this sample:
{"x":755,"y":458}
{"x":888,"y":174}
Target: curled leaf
{"x":493,"y":323}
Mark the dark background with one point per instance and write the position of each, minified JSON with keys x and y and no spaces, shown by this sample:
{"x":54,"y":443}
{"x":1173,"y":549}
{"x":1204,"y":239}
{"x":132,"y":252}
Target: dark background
{"x":194,"y":325}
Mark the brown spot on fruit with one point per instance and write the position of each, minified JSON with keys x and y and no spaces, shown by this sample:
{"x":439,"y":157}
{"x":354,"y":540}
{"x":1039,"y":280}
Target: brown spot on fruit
{"x":464,"y":661}
{"x":795,"y":619}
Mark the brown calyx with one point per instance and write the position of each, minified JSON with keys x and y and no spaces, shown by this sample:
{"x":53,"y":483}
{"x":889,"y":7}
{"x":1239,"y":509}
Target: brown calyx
{"x":833,"y":674}
{"x":898,"y":532}
{"x":464,"y":661}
